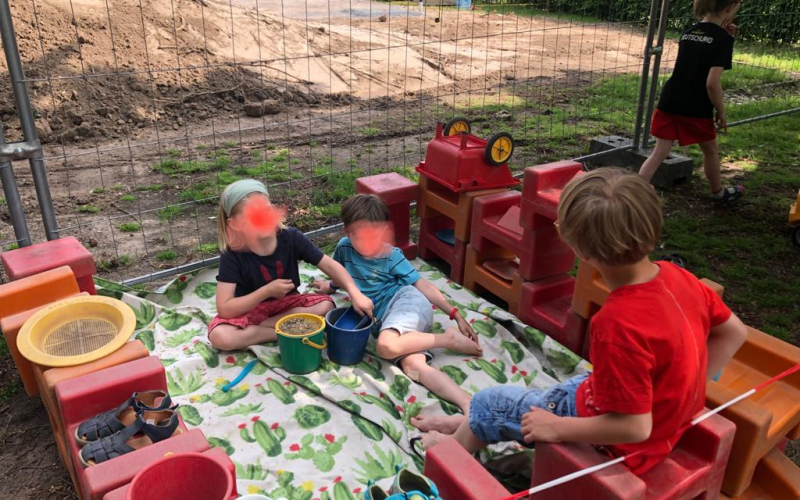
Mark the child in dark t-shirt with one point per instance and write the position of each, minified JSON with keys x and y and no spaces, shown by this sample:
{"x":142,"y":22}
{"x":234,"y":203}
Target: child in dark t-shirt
{"x":685,"y":112}
{"x":258,"y":273}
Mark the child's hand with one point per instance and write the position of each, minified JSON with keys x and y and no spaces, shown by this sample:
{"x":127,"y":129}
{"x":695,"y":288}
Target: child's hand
{"x":362,"y":304}
{"x":539,"y":426}
{"x":722,"y":122}
{"x":277,"y":289}
{"x":322,"y":286}
{"x":466,"y":329}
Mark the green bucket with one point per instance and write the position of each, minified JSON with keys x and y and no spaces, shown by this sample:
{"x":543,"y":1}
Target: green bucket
{"x":301,"y":353}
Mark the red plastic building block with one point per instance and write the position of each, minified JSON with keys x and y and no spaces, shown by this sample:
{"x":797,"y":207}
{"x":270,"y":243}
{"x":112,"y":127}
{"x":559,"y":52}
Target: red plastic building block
{"x":47,"y":378}
{"x":541,"y":191}
{"x":458,"y":476}
{"x":693,"y":470}
{"x":430,"y":246}
{"x":546,"y":305}
{"x":36,"y":259}
{"x":496,"y":223}
{"x":776,"y":478}
{"x":19,"y":300}
{"x":83,"y":397}
{"x":458,"y":163}
{"x":191,"y":488}
{"x":398,"y":193}
{"x":765,"y":418}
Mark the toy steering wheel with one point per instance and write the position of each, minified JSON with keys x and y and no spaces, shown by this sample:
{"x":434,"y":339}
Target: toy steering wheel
{"x":499,"y":148}
{"x":456,"y":126}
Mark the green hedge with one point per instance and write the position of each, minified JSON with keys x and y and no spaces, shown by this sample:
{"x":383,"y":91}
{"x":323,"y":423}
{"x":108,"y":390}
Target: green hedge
{"x":773,"y":21}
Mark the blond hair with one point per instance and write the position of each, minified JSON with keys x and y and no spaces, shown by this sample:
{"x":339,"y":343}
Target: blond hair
{"x":223,"y":238}
{"x":610,"y":215}
{"x":702,"y":8}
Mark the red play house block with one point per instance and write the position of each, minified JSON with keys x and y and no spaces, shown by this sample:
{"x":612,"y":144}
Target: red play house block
{"x":398,"y":193}
{"x":36,"y":259}
{"x":694,"y":470}
{"x":541,"y":191}
{"x":458,"y":476}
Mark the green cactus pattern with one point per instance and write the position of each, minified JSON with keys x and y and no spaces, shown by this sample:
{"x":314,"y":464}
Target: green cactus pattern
{"x":190,"y":415}
{"x":349,"y":381}
{"x":399,"y":387}
{"x":514,"y":350}
{"x":372,"y":367}
{"x":305,"y":382}
{"x":311,"y":416}
{"x":243,"y":409}
{"x":206,"y":290}
{"x":494,"y":369}
{"x":269,"y":438}
{"x":144,"y":315}
{"x":384,"y":402}
{"x":287,"y":490}
{"x":172,"y":320}
{"x":455,"y":373}
{"x":147,"y":338}
{"x":484,"y":328}
{"x":320,"y":455}
{"x":222,"y":443}
{"x":251,"y":471}
{"x":534,"y":336}
{"x":220,"y":398}
{"x":179,"y":384}
{"x":209,"y":354}
{"x":284,"y":392}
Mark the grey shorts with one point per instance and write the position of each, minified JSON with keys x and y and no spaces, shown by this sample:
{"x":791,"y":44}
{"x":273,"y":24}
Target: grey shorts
{"x":408,"y":311}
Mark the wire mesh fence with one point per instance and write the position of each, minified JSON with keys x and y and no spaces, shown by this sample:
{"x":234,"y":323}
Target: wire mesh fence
{"x":148,"y":109}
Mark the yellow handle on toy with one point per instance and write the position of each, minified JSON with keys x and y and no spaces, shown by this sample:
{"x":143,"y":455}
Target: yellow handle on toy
{"x":308,"y":342}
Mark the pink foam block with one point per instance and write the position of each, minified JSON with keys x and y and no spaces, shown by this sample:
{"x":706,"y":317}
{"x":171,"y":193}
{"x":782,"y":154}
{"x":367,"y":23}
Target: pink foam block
{"x":458,"y":476}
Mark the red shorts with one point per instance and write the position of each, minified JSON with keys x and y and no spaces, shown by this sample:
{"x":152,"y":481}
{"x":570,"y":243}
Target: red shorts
{"x":270,"y":308}
{"x":684,"y":129}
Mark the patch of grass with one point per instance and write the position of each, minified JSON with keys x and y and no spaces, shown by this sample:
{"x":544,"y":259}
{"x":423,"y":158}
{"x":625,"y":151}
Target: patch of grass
{"x":151,"y":187}
{"x":257,"y":155}
{"x":2,"y":201}
{"x":173,"y":153}
{"x":98,"y":190}
{"x":313,"y":144}
{"x":12,"y":246}
{"x":202,"y":147}
{"x":88,"y":209}
{"x":123,"y":260}
{"x":173,"y":167}
{"x":368,"y":131}
{"x":166,"y":255}
{"x":117,"y":187}
{"x":9,"y":389}
{"x":270,"y":171}
{"x":170,"y":213}
{"x":130,"y":227}
{"x":281,"y":155}
{"x":230,"y":144}
{"x":207,"y":249}
{"x":127,"y":197}
{"x":202,"y":192}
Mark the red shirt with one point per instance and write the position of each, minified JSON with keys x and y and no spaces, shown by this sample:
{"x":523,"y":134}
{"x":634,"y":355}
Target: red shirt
{"x":648,"y":346}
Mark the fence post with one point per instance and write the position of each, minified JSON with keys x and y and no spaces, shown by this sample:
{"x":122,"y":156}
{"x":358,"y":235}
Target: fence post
{"x":648,"y":53}
{"x":13,"y":200}
{"x":25,"y":112}
{"x":659,"y":51}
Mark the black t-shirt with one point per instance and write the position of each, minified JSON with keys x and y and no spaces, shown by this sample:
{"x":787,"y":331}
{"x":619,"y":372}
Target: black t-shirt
{"x":250,"y":271}
{"x":702,"y":47}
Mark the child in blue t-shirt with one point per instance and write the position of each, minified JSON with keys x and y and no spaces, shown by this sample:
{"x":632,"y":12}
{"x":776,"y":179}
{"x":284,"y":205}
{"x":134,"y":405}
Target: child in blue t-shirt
{"x":402,"y":299}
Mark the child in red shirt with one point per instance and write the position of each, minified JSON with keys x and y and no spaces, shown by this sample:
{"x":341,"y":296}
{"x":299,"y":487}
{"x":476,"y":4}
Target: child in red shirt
{"x":660,"y":334}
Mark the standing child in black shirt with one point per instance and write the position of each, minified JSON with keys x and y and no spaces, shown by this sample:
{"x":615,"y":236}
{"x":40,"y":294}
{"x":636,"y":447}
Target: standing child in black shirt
{"x":685,"y":112}
{"x":258,"y":272}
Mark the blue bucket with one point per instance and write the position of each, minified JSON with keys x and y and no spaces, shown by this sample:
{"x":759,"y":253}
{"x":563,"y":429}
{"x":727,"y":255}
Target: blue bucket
{"x":345,"y":347}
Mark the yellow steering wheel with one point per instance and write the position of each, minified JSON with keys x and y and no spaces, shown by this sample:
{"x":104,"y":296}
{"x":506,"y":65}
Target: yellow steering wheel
{"x":499,"y":148}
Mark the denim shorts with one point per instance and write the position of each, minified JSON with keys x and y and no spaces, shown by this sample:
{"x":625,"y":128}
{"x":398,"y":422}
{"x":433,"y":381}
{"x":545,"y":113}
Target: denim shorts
{"x":408,"y":311}
{"x":495,"y":414}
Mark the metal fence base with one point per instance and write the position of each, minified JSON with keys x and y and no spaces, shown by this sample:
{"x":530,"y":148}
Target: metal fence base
{"x":675,"y":170}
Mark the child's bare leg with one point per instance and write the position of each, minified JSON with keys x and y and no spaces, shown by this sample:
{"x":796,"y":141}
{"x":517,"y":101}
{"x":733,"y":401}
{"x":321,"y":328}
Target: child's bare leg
{"x":418,"y":370}
{"x":711,"y":165}
{"x":233,"y":338}
{"x":463,"y":435}
{"x":320,"y":309}
{"x":657,"y":157}
{"x":392,"y":345}
{"x":446,"y":424}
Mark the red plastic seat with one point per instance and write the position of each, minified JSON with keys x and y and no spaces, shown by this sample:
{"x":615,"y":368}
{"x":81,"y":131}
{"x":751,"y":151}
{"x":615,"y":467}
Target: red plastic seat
{"x":541,"y":191}
{"x":398,"y":193}
{"x":694,"y":469}
{"x":83,"y":397}
{"x":35,"y":259}
{"x":458,"y":476}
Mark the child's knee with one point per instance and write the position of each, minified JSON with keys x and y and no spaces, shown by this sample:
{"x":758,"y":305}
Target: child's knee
{"x":222,"y":337}
{"x":322,"y":308}
{"x":385,"y":345}
{"x":414,"y":365}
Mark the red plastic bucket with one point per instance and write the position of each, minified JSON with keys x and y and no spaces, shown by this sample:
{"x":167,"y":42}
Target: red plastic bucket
{"x":186,"y":476}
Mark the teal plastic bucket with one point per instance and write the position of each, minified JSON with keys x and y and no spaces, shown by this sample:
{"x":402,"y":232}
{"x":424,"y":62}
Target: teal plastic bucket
{"x":345,"y":347}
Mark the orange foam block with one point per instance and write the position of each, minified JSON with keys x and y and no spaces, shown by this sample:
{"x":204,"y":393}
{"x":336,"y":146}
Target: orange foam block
{"x":478,"y":275}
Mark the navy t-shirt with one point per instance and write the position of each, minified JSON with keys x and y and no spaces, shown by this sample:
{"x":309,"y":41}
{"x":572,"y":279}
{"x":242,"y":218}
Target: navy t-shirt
{"x":702,"y":47}
{"x":250,"y":271}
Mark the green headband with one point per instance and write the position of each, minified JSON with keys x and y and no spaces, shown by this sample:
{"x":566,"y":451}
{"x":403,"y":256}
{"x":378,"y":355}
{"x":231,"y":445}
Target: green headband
{"x":235,"y":192}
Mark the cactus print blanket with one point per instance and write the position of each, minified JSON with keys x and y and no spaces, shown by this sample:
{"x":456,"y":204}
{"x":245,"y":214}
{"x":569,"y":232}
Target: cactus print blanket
{"x":324,"y":435}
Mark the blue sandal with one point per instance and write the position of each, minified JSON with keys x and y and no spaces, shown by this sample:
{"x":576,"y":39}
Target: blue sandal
{"x":110,"y":422}
{"x":148,"y":428}
{"x":729,"y":195}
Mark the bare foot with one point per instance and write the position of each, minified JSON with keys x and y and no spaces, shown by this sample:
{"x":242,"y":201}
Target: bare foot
{"x":446,"y":424}
{"x":462,"y":344}
{"x":432,"y":438}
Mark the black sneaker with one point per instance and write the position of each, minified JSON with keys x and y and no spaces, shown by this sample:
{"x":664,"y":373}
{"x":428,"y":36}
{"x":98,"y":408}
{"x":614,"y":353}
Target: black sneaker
{"x":729,"y":195}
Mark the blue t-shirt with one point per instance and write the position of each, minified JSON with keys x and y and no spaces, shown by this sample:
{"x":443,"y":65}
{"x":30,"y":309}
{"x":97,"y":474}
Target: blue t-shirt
{"x":379,"y":278}
{"x":250,"y":271}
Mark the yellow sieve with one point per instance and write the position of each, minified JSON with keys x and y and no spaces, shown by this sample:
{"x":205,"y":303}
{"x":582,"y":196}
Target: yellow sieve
{"x":76,"y":331}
